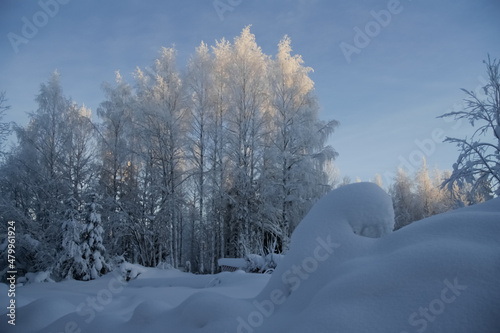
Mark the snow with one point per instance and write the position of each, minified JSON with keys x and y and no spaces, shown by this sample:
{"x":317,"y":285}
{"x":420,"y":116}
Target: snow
{"x":232,"y":262}
{"x":345,"y":272}
{"x":252,"y":263}
{"x":130,"y":271}
{"x":36,"y":277}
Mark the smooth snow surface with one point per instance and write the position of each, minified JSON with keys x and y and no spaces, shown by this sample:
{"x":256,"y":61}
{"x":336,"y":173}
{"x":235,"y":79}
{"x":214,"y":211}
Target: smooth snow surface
{"x":437,"y":275}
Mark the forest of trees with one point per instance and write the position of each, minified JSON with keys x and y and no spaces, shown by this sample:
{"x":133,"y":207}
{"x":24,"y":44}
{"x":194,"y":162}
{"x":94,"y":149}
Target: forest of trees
{"x":182,"y":167}
{"x":221,"y":159}
{"x":422,"y":195}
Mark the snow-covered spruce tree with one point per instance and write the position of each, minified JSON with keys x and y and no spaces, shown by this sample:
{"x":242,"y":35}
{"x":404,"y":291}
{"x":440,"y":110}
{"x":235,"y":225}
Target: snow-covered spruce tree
{"x":92,"y":248}
{"x":71,"y":264}
{"x":479,"y":159}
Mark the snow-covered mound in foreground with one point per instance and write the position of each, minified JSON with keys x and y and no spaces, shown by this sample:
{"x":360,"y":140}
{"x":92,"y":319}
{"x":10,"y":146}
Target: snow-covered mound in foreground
{"x":436,"y":275}
{"x":334,"y":232}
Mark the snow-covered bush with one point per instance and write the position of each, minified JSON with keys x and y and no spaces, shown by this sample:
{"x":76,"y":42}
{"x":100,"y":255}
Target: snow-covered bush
{"x":271,"y":262}
{"x":130,"y":271}
{"x":30,"y":255}
{"x":39,"y":277}
{"x":259,"y":264}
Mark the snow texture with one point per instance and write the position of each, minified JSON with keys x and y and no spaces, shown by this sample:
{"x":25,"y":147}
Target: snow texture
{"x":436,"y":275}
{"x":36,"y":278}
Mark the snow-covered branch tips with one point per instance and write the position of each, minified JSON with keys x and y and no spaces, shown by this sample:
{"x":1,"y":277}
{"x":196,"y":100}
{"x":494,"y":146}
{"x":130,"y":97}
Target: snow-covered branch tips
{"x":478,"y":163}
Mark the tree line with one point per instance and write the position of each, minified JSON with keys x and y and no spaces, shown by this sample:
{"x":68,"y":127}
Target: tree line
{"x":475,"y":176}
{"x":422,"y":195}
{"x":221,"y":159}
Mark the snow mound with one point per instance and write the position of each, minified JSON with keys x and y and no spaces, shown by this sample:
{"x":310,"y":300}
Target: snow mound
{"x":436,"y":275}
{"x":37,"y":314}
{"x":147,"y":311}
{"x":364,"y":207}
{"x":328,"y":236}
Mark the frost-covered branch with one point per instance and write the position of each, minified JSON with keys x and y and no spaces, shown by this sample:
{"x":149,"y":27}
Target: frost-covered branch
{"x":479,"y":159}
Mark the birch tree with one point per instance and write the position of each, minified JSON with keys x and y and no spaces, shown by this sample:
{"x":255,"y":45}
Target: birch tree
{"x":221,"y":100}
{"x":479,"y":159}
{"x":205,"y":137}
{"x":404,"y":200}
{"x":166,"y":120}
{"x":117,"y":162}
{"x":43,"y":147}
{"x":248,"y":93}
{"x":294,"y":138}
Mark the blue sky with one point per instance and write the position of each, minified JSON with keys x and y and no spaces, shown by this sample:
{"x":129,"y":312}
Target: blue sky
{"x":387,"y":97}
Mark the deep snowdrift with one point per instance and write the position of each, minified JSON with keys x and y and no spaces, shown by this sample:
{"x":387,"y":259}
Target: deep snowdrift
{"x":436,"y":275}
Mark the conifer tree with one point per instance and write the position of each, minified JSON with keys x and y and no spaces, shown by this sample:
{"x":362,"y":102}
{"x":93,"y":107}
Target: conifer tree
{"x":92,"y":248}
{"x":71,"y":264}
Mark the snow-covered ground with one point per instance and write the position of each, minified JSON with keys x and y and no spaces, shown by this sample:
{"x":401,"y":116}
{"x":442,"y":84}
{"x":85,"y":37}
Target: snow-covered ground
{"x":345,"y":272}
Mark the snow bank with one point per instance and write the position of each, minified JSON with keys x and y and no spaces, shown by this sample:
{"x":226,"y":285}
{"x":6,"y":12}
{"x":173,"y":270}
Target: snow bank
{"x":252,"y":263}
{"x":365,"y":207}
{"x":339,"y":228}
{"x":436,"y":275}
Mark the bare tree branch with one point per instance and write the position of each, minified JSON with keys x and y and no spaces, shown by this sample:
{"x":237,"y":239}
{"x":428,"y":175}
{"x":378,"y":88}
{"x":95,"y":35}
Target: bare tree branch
{"x":479,"y":158}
